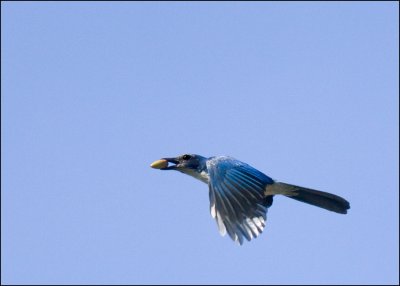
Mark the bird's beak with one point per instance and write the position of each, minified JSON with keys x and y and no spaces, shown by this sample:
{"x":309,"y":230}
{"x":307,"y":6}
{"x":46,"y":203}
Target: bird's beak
{"x":162,"y":164}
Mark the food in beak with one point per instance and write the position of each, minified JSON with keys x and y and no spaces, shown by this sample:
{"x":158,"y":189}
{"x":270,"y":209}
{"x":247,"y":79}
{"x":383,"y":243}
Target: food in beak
{"x":159,"y":164}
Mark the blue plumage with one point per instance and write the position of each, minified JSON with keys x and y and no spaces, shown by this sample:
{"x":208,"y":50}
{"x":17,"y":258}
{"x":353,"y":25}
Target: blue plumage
{"x":240,"y":195}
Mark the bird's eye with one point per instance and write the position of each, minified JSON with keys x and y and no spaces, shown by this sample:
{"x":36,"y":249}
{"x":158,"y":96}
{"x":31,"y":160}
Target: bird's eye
{"x":186,"y":157}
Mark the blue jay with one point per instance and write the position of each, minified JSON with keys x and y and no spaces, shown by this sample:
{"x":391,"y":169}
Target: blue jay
{"x":240,"y":195}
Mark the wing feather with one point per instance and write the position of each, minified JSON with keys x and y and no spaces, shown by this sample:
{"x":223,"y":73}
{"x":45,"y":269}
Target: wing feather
{"x":237,"y":199}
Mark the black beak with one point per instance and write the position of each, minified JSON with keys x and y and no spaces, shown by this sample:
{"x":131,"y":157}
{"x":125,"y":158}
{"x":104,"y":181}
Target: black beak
{"x":171,"y":160}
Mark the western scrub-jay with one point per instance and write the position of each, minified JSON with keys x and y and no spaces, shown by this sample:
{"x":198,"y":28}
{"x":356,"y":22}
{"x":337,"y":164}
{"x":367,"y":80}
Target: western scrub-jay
{"x":240,"y":195}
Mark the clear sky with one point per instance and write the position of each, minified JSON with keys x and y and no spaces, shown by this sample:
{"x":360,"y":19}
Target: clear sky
{"x":92,"y":93}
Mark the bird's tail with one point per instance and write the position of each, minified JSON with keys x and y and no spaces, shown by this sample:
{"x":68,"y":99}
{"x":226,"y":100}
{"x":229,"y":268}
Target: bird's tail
{"x":320,"y":199}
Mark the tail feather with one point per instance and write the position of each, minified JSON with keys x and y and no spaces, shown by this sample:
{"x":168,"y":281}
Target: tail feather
{"x":320,"y":199}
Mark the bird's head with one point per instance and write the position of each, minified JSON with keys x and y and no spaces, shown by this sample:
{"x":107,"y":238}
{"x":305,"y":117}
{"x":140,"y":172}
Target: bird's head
{"x":186,"y":161}
{"x":190,"y":164}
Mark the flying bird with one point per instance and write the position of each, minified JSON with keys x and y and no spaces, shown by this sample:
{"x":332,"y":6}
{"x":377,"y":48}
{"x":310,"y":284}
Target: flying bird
{"x":240,"y":195}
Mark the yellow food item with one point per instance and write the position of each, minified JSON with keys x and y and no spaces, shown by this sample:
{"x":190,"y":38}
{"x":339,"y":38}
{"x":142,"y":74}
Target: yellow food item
{"x":159,"y":164}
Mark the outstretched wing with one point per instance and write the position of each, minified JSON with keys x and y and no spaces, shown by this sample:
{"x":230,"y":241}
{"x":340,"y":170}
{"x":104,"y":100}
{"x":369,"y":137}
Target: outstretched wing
{"x":237,"y":199}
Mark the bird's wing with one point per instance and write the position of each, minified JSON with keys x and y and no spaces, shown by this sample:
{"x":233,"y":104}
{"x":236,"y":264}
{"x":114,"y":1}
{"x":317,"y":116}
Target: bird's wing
{"x":237,"y":200}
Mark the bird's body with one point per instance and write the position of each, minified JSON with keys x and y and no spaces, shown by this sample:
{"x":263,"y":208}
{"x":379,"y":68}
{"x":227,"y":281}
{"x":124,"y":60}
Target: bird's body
{"x":240,"y":195}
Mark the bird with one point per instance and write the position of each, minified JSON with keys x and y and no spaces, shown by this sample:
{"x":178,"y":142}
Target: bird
{"x":241,"y":195}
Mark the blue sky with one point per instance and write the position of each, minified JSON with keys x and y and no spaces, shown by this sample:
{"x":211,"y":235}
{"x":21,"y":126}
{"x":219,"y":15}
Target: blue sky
{"x":92,"y":93}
